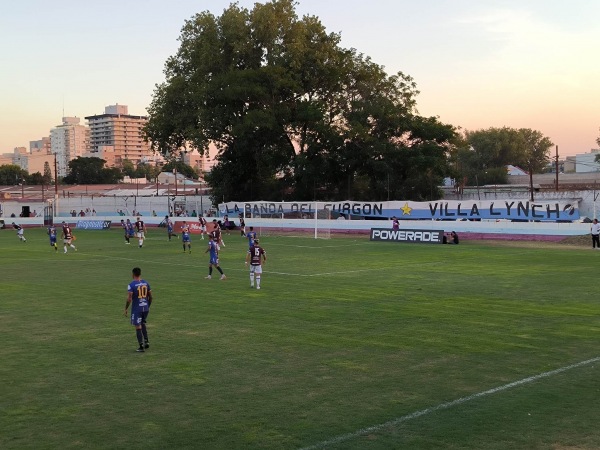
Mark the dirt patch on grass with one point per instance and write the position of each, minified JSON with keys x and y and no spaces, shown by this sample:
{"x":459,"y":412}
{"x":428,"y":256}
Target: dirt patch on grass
{"x":584,"y":240}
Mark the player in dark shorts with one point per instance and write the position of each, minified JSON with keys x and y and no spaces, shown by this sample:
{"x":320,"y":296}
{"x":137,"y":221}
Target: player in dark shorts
{"x":213,"y":248}
{"x":139,"y":296}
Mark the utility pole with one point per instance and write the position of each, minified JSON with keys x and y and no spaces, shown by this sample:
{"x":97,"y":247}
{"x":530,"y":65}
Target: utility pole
{"x":55,"y":177}
{"x":531,"y":181}
{"x":556,"y":160}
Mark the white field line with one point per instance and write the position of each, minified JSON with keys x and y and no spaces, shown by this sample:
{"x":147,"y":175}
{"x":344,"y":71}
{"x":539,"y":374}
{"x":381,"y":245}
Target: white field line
{"x":356,"y":244}
{"x":322,"y":273}
{"x":442,"y":406}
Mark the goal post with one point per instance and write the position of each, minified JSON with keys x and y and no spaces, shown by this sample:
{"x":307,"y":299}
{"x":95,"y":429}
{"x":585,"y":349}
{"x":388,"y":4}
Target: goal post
{"x":322,"y":218}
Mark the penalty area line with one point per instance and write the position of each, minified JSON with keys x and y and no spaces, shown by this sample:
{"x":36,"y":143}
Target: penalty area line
{"x":447,"y":405}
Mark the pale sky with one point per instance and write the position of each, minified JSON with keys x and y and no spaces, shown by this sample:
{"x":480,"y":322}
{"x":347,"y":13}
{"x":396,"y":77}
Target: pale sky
{"x":478,"y":64}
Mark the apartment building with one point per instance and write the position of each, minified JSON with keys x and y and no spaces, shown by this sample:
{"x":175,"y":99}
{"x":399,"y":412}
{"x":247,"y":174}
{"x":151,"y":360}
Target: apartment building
{"x":120,"y":134}
{"x":68,"y":141}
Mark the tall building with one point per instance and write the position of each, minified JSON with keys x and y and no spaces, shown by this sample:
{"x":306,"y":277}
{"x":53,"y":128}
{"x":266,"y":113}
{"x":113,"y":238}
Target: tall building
{"x":41,"y":146}
{"x":121,"y":132}
{"x":68,"y":141}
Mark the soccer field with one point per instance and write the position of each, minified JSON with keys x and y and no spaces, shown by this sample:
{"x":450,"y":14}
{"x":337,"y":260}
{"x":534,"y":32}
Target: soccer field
{"x":349,"y":344}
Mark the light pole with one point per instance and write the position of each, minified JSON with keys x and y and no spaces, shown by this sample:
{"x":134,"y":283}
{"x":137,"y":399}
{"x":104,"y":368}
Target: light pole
{"x":175,"y":173}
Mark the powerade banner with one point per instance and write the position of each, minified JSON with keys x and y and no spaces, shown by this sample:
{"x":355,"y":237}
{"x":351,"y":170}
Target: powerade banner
{"x":413,"y":236}
{"x":94,"y":224}
{"x":548,"y":210}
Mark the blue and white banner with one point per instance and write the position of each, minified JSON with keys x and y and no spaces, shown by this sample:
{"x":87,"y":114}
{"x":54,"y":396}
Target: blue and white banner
{"x":93,"y":224}
{"x":522,"y":210}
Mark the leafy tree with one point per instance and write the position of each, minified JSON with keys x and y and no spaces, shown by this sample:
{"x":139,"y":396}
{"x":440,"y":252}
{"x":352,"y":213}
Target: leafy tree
{"x":291,"y":112}
{"x":484,"y":158}
{"x":182,"y":168}
{"x":147,"y":171}
{"x":91,"y":171}
{"x":128,"y":168}
{"x":35,"y":179}
{"x":11,"y":174}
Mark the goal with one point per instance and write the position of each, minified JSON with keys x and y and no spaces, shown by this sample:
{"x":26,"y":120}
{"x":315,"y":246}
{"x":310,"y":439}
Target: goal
{"x":322,"y":222}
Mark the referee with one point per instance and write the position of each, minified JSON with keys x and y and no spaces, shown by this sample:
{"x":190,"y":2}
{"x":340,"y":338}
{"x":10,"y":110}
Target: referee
{"x":595,"y":229}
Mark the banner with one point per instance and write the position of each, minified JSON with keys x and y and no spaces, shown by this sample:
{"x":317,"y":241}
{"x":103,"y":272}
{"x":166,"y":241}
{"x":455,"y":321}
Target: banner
{"x":93,"y":224}
{"x":518,"y":210}
{"x":413,"y":236}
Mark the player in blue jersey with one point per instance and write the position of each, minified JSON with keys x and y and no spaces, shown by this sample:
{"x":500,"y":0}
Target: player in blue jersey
{"x":125,"y":231}
{"x":251,"y":235}
{"x":185,"y":237}
{"x":129,"y":230}
{"x":214,"y":257}
{"x":169,"y":225}
{"x":51,"y":232}
{"x":139,"y":296}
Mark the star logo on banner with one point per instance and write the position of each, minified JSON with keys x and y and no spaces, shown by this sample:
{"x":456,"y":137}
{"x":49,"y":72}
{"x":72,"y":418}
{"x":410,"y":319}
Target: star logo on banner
{"x":406,"y":210}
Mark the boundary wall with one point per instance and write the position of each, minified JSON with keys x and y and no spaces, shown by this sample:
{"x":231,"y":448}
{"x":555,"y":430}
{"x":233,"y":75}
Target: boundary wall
{"x":544,"y":231}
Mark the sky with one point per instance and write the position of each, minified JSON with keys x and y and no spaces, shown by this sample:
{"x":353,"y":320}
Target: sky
{"x":477,"y":64}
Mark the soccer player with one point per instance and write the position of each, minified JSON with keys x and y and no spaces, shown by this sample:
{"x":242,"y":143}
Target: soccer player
{"x":139,"y":296}
{"x":67,"y":237}
{"x":140,"y":229}
{"x":185,"y":237}
{"x":125,"y":231}
{"x":217,"y":235}
{"x":256,"y":256}
{"x":242,"y":226}
{"x":251,"y":237}
{"x":51,"y":232}
{"x":202,"y":221}
{"x":214,"y":258}
{"x":169,"y":225}
{"x":129,"y":230}
{"x":20,"y":232}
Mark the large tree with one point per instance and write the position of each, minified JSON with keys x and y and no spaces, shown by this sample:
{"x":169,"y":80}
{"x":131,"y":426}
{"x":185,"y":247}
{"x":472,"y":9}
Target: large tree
{"x":91,"y":171}
{"x":293,"y":113}
{"x":11,"y":174}
{"x":487,"y":153}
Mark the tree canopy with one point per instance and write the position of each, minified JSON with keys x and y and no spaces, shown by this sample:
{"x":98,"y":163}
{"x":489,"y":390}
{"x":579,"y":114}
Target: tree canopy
{"x":91,"y":171}
{"x":292,"y":113}
{"x":11,"y":174}
{"x":483,"y":156}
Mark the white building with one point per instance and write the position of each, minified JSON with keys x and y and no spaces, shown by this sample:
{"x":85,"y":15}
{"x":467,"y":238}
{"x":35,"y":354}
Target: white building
{"x":585,"y":162}
{"x":68,"y":141}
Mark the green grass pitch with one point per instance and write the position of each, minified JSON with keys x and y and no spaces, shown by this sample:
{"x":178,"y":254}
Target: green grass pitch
{"x":349,"y":344}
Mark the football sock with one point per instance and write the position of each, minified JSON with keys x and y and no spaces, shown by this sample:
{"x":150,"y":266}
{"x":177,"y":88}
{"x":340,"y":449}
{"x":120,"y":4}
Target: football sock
{"x":210,"y":270}
{"x":220,"y":270}
{"x":145,"y":332}
{"x":138,"y":333}
{"x":257,"y":281}
{"x":252,"y":279}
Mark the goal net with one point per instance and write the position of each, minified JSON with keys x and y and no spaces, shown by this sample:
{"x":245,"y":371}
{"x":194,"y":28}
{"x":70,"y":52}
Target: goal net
{"x":322,"y":222}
